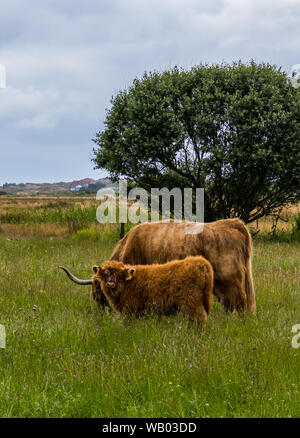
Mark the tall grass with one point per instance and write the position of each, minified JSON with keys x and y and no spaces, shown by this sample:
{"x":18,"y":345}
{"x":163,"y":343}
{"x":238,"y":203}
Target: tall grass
{"x":64,"y":358}
{"x":74,"y":217}
{"x":280,"y":235}
{"x":60,"y":214}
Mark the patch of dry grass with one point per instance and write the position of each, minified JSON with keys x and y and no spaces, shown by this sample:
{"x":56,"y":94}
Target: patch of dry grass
{"x":32,"y":231}
{"x":40,"y":204}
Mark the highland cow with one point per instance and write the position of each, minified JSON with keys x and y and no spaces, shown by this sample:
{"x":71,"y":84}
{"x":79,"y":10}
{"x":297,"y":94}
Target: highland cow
{"x":226,"y":244}
{"x":180,"y":285}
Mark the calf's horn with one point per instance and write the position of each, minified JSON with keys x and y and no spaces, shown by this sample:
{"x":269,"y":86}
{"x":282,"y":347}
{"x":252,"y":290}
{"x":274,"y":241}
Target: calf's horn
{"x":75,"y":279}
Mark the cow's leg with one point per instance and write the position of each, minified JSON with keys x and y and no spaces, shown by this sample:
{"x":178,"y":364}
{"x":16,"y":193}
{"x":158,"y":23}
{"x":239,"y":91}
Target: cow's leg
{"x":239,"y":297}
{"x":99,"y":296}
{"x":103,"y":303}
{"x":220,"y":293}
{"x":231,"y":294}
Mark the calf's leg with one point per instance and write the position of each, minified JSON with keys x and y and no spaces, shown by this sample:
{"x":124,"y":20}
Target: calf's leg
{"x":193,"y":309}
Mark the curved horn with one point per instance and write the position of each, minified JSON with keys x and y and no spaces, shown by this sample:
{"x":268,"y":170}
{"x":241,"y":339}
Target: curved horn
{"x":75,"y":279}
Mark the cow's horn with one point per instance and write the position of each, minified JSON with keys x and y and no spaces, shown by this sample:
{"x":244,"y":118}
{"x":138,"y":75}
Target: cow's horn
{"x":75,"y":279}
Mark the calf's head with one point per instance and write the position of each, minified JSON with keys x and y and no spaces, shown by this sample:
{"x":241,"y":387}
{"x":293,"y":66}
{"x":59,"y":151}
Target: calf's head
{"x":111,"y":277}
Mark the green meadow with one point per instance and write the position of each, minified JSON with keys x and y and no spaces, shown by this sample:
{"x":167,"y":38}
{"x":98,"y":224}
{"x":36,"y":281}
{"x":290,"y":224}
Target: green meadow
{"x":65,"y":358}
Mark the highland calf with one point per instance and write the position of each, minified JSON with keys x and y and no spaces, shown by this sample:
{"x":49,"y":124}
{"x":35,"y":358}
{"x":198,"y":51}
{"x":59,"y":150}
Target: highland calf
{"x":180,"y":285}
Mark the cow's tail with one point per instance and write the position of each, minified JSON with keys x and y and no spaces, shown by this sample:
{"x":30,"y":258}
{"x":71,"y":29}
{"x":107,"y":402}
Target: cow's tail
{"x":249,"y":288}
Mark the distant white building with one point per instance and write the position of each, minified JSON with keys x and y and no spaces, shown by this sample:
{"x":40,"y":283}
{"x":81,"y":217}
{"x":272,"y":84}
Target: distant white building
{"x":75,"y":186}
{"x":78,"y":187}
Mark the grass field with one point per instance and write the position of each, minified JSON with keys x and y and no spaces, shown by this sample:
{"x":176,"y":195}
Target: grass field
{"x":66,"y":359}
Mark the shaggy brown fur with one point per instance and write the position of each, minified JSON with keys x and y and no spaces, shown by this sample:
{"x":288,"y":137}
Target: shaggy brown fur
{"x":184,"y":285}
{"x":226,"y":243}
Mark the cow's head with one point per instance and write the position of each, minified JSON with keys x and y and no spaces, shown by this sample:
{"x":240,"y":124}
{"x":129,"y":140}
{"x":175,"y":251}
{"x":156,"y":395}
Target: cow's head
{"x":112,"y":276}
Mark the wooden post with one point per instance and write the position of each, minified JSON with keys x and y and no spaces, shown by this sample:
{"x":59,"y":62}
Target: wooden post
{"x":122,"y":229}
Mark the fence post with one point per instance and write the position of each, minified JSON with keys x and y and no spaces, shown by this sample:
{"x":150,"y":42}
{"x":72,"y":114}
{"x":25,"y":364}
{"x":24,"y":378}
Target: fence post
{"x":122,"y":229}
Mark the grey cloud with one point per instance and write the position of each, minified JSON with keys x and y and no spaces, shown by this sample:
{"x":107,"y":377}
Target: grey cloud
{"x":64,"y":60}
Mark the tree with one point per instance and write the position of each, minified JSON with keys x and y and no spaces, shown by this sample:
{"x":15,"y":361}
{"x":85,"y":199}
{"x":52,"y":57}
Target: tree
{"x":232,"y":129}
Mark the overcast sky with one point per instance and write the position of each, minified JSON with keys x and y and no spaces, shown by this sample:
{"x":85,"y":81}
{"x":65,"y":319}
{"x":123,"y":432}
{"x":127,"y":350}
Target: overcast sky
{"x":64,"y":60}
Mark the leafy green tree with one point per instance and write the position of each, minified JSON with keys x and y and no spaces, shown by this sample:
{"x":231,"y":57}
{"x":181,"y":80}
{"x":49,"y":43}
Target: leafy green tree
{"x":232,"y":129}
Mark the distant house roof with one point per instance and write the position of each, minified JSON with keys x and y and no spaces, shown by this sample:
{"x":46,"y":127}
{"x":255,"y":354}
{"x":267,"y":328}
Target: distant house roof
{"x":76,"y":185}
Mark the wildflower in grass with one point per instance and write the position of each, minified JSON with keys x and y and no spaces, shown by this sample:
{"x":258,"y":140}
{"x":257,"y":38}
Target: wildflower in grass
{"x":170,"y":383}
{"x":20,"y":308}
{"x":13,"y":332}
{"x":34,"y":307}
{"x":245,"y":391}
{"x":42,"y":291}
